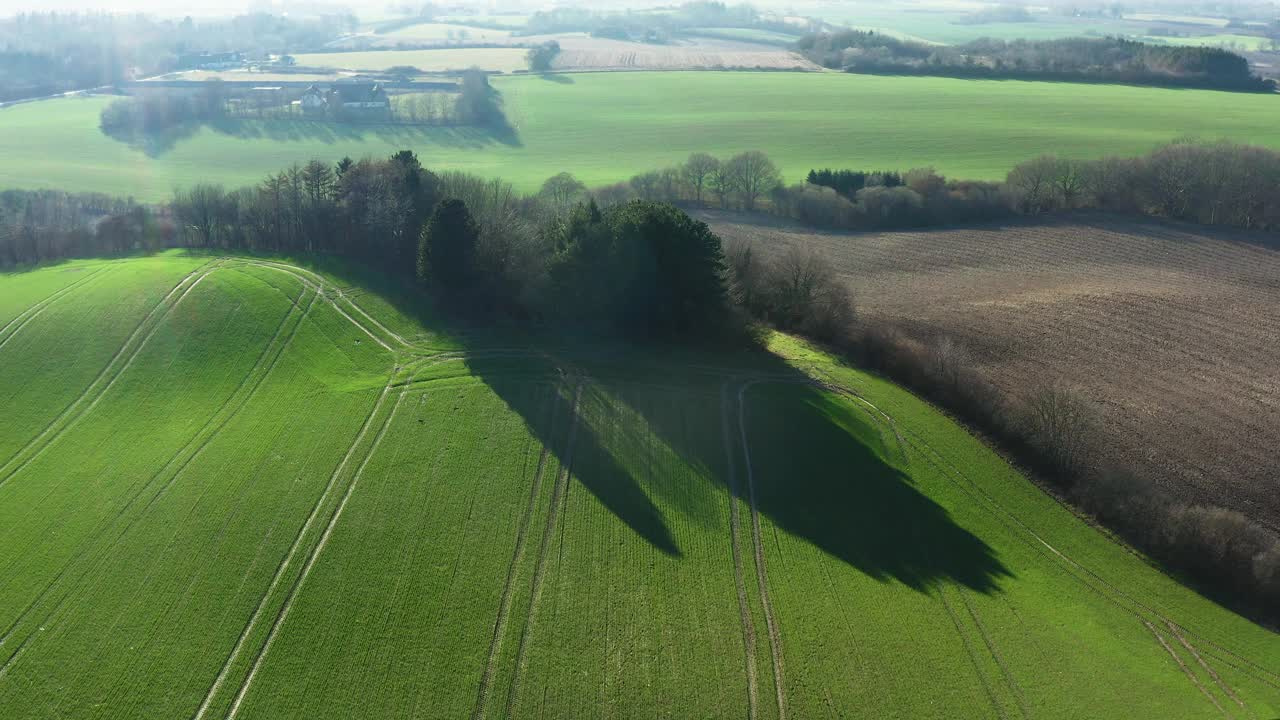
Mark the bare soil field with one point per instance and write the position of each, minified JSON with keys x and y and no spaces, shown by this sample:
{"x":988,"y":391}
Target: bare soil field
{"x":580,"y":51}
{"x":687,"y":54}
{"x":1172,"y":329}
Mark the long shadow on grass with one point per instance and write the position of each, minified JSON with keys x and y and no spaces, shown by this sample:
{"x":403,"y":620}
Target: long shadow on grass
{"x":821,"y":469}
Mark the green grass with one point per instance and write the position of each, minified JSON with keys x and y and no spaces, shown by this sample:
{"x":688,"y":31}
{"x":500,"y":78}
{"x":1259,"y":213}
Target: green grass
{"x":606,"y":127}
{"x":441,"y":60}
{"x":270,"y":503}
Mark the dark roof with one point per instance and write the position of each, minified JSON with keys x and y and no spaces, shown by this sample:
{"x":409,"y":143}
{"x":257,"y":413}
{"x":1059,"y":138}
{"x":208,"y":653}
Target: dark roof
{"x":359,"y":92}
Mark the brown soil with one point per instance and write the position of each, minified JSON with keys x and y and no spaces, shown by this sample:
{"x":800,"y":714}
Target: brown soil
{"x":1173,"y":329}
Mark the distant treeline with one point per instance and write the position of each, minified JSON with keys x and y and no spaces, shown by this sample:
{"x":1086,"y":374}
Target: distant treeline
{"x":138,"y":118}
{"x":655,"y":27}
{"x":1219,"y":183}
{"x":43,"y":225}
{"x":1108,"y":60}
{"x":48,"y":53}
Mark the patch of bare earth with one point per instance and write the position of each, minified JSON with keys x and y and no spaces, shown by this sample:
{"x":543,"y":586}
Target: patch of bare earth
{"x":699,"y":54}
{"x":1173,"y":329}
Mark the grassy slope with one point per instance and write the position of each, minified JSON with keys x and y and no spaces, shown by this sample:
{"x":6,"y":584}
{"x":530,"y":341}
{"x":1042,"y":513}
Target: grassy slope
{"x":252,"y":519}
{"x":965,"y":128}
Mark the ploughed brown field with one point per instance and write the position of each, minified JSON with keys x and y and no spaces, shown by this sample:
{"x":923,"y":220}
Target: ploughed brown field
{"x":1173,"y":329}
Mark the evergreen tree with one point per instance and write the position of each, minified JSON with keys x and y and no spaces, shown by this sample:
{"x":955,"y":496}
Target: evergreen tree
{"x":447,"y":251}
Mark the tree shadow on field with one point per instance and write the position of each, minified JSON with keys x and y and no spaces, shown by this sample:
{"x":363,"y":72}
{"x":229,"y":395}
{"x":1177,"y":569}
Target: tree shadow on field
{"x":821,"y":469}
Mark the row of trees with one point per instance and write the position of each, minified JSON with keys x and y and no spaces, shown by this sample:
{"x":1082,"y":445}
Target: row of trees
{"x":144,"y":116}
{"x":45,"y":225}
{"x":1218,"y":183}
{"x":1076,"y":59}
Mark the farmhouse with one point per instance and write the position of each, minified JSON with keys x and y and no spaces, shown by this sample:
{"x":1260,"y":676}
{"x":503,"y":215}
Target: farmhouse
{"x":313,"y":102}
{"x":359,"y":101}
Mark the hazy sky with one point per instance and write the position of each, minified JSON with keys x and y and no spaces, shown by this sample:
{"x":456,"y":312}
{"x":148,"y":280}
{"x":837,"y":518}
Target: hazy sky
{"x":159,"y":7}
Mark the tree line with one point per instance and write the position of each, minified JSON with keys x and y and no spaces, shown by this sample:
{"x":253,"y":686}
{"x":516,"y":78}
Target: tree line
{"x":1111,"y":60}
{"x":141,"y":117}
{"x":1218,"y":183}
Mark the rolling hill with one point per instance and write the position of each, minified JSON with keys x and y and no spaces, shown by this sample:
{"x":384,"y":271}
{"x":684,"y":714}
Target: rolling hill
{"x":235,"y":487}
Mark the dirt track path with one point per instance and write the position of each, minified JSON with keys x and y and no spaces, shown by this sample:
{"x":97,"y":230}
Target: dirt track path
{"x":517,"y":561}
{"x":762,"y":574}
{"x":290,"y":556}
{"x":739,"y":576}
{"x":558,"y":494}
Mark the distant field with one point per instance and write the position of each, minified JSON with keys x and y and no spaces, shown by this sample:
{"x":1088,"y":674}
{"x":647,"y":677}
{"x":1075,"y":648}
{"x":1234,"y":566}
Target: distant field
{"x":496,"y":59}
{"x":249,"y":491}
{"x":440,"y":32}
{"x":1171,"y":328}
{"x":689,"y":53}
{"x":1241,"y":42}
{"x":607,"y":127}
{"x":1180,"y":19}
{"x":768,"y":37}
{"x":510,"y":21}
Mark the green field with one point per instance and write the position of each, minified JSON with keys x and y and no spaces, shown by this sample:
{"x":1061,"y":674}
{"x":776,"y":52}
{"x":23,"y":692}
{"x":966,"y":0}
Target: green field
{"x":605,"y":127}
{"x":247,"y":490}
{"x":1241,"y":42}
{"x":441,"y":60}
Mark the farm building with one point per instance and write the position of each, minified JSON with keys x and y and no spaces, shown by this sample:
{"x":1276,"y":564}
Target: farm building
{"x":359,"y":101}
{"x":313,"y":102}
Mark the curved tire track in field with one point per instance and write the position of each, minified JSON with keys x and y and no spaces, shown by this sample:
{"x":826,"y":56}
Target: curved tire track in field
{"x":235,"y":407}
{"x":762,"y":574}
{"x":1009,"y":681}
{"x":26,"y":316}
{"x":973,"y":656}
{"x":311,"y":561}
{"x":1225,"y":688}
{"x":318,"y":284}
{"x":1191,"y":677}
{"x":287,"y":560}
{"x":735,"y":531}
{"x":154,"y":319}
{"x":517,"y":557}
{"x":559,"y":492}
{"x":319,"y":280}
